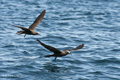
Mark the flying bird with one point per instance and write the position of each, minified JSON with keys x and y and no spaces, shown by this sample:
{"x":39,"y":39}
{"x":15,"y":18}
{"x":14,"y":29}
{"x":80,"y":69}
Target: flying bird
{"x":58,"y":53}
{"x":30,"y":30}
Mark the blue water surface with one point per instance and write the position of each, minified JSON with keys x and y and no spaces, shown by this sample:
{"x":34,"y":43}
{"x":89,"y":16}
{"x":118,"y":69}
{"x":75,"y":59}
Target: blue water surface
{"x":66,"y":24}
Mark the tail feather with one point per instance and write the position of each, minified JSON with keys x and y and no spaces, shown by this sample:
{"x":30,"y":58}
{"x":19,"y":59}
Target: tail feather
{"x":48,"y":55}
{"x":20,"y":32}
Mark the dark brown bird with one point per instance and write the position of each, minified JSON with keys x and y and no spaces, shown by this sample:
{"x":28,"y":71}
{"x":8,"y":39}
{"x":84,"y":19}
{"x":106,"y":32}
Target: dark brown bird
{"x":58,"y":53}
{"x":30,"y":30}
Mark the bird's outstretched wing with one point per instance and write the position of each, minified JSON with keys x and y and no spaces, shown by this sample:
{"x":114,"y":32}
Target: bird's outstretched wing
{"x":37,"y":21}
{"x":78,"y":47}
{"x":23,"y":28}
{"x":50,"y":48}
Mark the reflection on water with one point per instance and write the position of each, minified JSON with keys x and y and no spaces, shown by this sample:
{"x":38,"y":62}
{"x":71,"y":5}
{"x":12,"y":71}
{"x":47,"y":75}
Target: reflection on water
{"x":53,"y":67}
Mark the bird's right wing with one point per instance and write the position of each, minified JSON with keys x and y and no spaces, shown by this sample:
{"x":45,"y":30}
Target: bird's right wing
{"x":50,"y":48}
{"x":78,"y":47}
{"x":23,"y":28}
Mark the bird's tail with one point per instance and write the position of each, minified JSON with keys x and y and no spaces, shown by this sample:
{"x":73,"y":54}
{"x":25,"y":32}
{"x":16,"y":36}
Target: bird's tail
{"x":20,"y":32}
{"x":48,"y":55}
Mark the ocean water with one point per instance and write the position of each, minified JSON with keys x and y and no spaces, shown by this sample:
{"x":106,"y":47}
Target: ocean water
{"x":66,"y":24}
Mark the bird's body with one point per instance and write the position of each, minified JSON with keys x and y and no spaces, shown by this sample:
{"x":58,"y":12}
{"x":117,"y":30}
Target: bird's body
{"x":30,"y":30}
{"x":58,"y":53}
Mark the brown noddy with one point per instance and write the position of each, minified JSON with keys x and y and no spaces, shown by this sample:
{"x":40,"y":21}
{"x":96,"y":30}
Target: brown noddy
{"x":30,"y":30}
{"x":58,"y":53}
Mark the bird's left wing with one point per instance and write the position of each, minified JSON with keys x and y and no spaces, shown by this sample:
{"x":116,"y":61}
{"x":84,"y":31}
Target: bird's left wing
{"x":52,"y":49}
{"x":37,"y":21}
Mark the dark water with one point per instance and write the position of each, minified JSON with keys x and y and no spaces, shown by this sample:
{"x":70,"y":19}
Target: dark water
{"x":66,"y":24}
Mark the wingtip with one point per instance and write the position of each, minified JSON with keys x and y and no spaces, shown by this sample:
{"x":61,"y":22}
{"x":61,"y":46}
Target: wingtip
{"x":11,"y":24}
{"x":38,"y":40}
{"x":44,"y":11}
{"x":83,"y":44}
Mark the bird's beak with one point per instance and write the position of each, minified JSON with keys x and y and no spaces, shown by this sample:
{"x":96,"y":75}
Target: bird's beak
{"x":70,"y":53}
{"x":39,"y":34}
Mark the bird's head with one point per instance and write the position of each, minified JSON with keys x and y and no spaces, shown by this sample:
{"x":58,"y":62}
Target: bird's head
{"x":68,"y":52}
{"x":37,"y":33}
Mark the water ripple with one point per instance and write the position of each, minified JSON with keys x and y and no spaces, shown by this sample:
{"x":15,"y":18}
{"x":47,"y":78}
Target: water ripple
{"x":65,"y":25}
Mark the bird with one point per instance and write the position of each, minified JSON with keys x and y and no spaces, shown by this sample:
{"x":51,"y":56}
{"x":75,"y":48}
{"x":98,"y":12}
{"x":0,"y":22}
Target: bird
{"x":58,"y":53}
{"x":31,"y":28}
